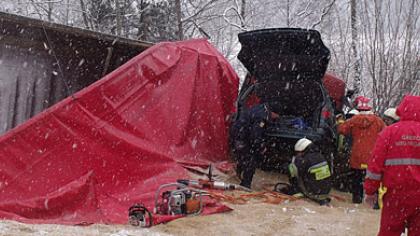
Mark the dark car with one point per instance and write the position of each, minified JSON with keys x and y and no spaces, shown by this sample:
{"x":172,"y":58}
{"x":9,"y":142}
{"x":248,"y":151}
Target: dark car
{"x":285,"y":71}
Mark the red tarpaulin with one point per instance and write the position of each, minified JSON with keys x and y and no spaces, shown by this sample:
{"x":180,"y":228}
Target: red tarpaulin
{"x":91,"y":156}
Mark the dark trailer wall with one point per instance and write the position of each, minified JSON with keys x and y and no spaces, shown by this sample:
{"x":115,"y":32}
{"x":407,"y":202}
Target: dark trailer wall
{"x":30,"y":79}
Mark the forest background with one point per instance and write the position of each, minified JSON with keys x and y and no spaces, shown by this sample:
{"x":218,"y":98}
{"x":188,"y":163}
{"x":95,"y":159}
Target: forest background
{"x":375,"y":44}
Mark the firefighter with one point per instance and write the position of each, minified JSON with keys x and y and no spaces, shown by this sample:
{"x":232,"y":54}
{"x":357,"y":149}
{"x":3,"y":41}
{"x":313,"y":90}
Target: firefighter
{"x":395,"y":164}
{"x":309,"y":173}
{"x":364,"y":129}
{"x":390,"y":116}
{"x":344,"y":150}
{"x":345,"y":142}
{"x":249,"y":143}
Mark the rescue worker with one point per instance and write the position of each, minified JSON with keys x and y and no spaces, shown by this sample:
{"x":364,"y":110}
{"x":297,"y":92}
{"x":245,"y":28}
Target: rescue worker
{"x":364,"y":129}
{"x":345,"y":142}
{"x":309,"y":173}
{"x":395,"y":163}
{"x":249,"y":144}
{"x":344,"y":150}
{"x":390,"y":116}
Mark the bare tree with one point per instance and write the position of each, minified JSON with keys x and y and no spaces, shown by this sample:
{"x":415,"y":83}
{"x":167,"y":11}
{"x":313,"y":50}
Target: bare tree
{"x":354,"y":42}
{"x":338,"y":36}
{"x":84,"y":14}
{"x":374,"y":44}
{"x":179,"y":19}
{"x":391,"y":45}
{"x":118,"y":17}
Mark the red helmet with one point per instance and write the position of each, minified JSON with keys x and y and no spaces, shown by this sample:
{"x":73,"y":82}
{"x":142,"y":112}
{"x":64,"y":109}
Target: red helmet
{"x":362,"y":103}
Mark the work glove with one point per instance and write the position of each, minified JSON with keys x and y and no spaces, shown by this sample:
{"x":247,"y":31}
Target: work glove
{"x":340,"y":119}
{"x":371,"y":199}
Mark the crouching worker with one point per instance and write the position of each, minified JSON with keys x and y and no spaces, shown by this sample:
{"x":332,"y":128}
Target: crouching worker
{"x":309,"y":173}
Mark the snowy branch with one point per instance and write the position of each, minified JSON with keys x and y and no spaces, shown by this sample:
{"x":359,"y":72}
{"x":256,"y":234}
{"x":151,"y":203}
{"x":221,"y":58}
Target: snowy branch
{"x":325,"y":12}
{"x":199,"y":11}
{"x":238,"y":14}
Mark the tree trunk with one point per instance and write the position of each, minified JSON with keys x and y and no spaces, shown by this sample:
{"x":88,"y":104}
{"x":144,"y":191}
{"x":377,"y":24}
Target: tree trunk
{"x":67,"y":12}
{"x":288,"y":13}
{"x":354,"y":40}
{"x":85,"y":17}
{"x":179,"y":18}
{"x":118,"y":17}
{"x":141,"y":29}
{"x":243,"y":12}
{"x":49,"y":11}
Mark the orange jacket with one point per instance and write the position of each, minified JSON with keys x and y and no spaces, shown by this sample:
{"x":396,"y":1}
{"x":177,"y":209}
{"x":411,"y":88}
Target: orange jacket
{"x":364,"y":129}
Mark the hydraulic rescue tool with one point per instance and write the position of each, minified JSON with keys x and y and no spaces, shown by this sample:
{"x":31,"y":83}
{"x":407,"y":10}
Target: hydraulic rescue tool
{"x":212,"y":184}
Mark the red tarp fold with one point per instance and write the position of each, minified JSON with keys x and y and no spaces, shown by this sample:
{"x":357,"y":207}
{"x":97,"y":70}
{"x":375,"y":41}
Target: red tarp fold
{"x":89,"y":157}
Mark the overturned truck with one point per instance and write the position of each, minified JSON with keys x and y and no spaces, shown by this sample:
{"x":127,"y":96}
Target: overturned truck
{"x":42,"y":63}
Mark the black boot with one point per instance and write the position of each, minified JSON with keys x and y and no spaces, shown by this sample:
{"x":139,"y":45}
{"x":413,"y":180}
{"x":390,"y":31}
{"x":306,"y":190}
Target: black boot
{"x":376,"y":206}
{"x":324,"y":202}
{"x":357,"y":198}
{"x":247,"y":176}
{"x":357,"y":186}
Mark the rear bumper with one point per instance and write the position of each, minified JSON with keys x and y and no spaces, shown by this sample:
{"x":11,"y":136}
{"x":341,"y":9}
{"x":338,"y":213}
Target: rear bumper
{"x":296,"y":134}
{"x":280,"y":143}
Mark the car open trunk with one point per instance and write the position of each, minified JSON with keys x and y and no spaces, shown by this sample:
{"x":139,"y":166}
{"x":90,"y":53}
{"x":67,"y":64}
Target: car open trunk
{"x":288,"y":66}
{"x":297,"y":102}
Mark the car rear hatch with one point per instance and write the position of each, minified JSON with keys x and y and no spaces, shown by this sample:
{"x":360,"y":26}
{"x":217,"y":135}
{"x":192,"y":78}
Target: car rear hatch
{"x":288,"y":65}
{"x":284,"y":52}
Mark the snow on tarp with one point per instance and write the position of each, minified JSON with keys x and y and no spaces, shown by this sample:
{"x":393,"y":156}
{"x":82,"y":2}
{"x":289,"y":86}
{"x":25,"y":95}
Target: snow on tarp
{"x":91,"y":156}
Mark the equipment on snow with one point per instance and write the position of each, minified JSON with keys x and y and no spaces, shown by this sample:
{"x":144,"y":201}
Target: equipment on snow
{"x":139,"y":215}
{"x":181,"y":201}
{"x":210,"y":184}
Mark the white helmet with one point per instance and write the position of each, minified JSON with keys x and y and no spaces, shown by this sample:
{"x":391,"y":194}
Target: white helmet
{"x":392,"y":113}
{"x":302,"y":144}
{"x":353,"y":112}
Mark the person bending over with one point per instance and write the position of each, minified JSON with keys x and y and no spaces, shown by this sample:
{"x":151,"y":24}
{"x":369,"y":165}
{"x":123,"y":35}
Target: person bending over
{"x":309,"y":173}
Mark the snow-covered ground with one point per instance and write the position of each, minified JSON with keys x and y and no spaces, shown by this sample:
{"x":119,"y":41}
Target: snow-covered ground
{"x":299,"y":217}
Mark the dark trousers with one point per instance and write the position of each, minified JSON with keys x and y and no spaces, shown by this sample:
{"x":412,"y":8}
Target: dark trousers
{"x":357,"y":179}
{"x":249,"y":162}
{"x":250,"y":134}
{"x":248,"y":168}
